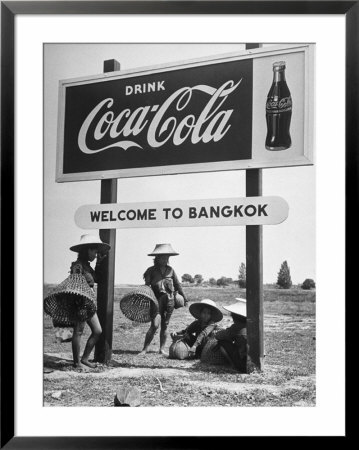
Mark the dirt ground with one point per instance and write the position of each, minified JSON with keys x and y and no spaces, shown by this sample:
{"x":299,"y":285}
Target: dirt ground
{"x":287,"y":378}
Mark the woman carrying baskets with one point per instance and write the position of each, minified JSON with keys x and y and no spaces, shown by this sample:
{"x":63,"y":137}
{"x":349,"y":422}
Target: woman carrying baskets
{"x":166,"y":287}
{"x":72,"y":303}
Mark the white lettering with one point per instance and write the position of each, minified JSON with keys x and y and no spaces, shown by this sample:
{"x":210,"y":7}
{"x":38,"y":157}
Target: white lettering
{"x":212,"y":123}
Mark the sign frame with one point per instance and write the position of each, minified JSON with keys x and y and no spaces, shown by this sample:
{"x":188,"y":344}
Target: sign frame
{"x":308,"y":125}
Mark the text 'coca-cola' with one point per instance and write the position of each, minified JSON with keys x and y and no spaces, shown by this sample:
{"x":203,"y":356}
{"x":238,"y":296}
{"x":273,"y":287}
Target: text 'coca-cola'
{"x":183,"y":116}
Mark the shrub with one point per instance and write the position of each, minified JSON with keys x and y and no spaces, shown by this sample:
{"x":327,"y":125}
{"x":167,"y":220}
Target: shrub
{"x":212,"y":281}
{"x":187,"y":278}
{"x":222,"y":281}
{"x":308,"y":283}
{"x":198,"y":279}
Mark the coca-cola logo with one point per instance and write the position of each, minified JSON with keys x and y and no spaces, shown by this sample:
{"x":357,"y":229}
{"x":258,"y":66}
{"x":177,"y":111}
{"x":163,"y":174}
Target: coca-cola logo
{"x":281,"y":105}
{"x":177,"y":117}
{"x":119,"y":130}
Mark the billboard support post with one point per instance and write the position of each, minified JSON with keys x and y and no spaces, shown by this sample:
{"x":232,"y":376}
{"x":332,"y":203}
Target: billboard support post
{"x":254,"y":273}
{"x":254,"y":277}
{"x":106,"y":283}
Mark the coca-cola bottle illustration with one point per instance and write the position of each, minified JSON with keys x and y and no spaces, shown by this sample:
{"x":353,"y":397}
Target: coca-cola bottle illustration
{"x":278,"y":111}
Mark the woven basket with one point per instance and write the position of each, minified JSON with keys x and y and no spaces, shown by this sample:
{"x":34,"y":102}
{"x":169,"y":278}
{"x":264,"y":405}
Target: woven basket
{"x":178,"y":350}
{"x":211,"y":354}
{"x":136,"y":305}
{"x":70,"y":302}
{"x":179,"y":300}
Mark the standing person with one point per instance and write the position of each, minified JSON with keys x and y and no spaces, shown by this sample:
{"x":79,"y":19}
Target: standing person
{"x":198,"y":332}
{"x":165,"y":285}
{"x":233,"y":340}
{"x":73,"y":301}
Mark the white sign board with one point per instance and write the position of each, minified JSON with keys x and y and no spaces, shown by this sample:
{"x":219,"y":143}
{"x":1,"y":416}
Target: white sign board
{"x":184,"y":213}
{"x":251,"y":109}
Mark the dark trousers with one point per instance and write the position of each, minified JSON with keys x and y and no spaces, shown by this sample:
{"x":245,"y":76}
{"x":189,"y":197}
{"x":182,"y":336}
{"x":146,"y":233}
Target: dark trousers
{"x":240,"y":363}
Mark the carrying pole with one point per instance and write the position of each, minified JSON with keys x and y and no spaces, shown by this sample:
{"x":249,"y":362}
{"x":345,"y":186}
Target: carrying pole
{"x":106,"y":283}
{"x":254,"y":273}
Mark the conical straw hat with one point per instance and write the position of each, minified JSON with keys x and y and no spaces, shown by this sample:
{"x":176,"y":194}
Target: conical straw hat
{"x":88,"y":240}
{"x":195,"y":309}
{"x":239,"y":308}
{"x":163,"y":249}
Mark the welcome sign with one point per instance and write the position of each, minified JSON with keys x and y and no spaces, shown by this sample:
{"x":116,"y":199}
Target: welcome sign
{"x":184,"y":213}
{"x":188,"y":117}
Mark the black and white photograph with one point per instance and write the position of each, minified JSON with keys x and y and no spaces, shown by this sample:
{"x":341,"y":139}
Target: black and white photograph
{"x":176,"y":220}
{"x":179,"y":253}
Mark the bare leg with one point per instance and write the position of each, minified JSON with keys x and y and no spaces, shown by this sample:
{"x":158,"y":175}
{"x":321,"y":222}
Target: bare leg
{"x":155,"y":323}
{"x":96,"y":331}
{"x":76,"y":341}
{"x":168,"y":307}
{"x":163,"y":335}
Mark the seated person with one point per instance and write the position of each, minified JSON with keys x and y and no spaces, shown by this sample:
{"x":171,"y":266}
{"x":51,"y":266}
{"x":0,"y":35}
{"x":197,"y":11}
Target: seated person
{"x":233,"y":340}
{"x":198,"y":332}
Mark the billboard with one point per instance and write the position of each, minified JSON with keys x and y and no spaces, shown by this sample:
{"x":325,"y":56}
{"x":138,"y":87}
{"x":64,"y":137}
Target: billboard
{"x":252,"y":109}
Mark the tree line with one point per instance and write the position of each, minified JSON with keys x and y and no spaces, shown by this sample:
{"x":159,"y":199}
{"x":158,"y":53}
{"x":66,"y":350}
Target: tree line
{"x":198,"y":280}
{"x":284,"y":280}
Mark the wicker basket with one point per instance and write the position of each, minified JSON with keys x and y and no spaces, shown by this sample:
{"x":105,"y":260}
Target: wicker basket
{"x":136,"y":305}
{"x":211,"y":353}
{"x":179,"y":300}
{"x":70,"y":302}
{"x":179,"y":350}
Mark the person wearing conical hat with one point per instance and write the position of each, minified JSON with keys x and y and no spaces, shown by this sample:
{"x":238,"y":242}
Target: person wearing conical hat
{"x":165,"y":284}
{"x":233,"y":340}
{"x":73,"y":302}
{"x":207,"y":316}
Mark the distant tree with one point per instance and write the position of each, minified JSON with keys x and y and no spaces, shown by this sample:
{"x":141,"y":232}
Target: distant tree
{"x":284,"y":280}
{"x":308,"y":283}
{"x":212,"y":281}
{"x":198,"y":279}
{"x":187,"y":278}
{"x":242,"y":276}
{"x":222,"y":282}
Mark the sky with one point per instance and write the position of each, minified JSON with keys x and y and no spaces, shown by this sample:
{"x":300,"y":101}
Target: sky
{"x":209,"y":251}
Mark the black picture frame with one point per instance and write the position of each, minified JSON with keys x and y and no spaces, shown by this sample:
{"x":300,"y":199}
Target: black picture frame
{"x":9,"y":11}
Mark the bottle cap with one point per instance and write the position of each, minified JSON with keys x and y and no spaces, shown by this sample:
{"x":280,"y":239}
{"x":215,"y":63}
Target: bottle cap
{"x":279,"y":65}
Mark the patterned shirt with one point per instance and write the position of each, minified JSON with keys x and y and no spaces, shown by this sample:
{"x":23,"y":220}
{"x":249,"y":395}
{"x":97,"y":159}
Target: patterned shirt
{"x":83,"y":267}
{"x":163,"y":281}
{"x":198,"y":333}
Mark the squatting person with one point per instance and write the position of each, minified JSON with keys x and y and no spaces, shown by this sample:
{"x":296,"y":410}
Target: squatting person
{"x":233,"y":340}
{"x":207,"y":316}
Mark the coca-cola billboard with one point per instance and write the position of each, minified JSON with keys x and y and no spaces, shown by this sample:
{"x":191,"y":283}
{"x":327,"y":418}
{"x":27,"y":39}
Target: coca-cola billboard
{"x":181,"y":118}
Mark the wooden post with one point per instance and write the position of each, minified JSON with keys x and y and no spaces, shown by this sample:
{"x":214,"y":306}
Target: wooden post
{"x":105,"y":287}
{"x":254,"y":273}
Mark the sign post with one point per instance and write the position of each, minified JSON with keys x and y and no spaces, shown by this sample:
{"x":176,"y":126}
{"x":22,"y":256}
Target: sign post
{"x":254,"y":276}
{"x":106,"y":284}
{"x":254,"y":272}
